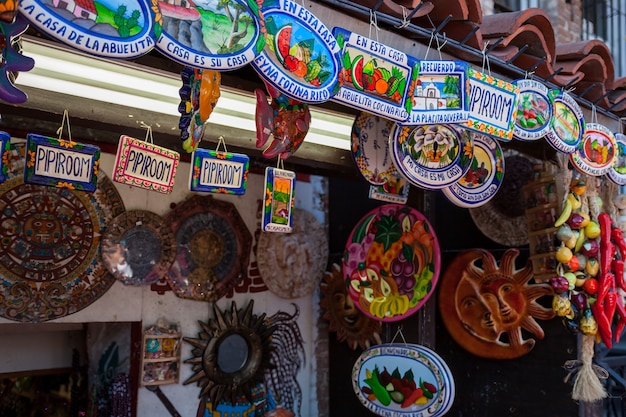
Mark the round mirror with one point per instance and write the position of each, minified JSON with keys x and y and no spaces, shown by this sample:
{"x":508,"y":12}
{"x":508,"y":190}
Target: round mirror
{"x":232,"y":353}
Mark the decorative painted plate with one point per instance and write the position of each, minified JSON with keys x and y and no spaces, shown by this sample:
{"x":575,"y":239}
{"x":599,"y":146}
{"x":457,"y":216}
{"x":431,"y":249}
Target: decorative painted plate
{"x":50,"y":241}
{"x":617,"y":173}
{"x":298,"y":54}
{"x":534,"y":111}
{"x":391,"y":262}
{"x":484,"y":177}
{"x":213,"y":248}
{"x":207,"y":34}
{"x":115,"y":29}
{"x":370,"y":148}
{"x":567,"y":124}
{"x":138,"y":247}
{"x":398,"y":380}
{"x":596,"y":153}
{"x":431,"y":156}
{"x":293,"y":264}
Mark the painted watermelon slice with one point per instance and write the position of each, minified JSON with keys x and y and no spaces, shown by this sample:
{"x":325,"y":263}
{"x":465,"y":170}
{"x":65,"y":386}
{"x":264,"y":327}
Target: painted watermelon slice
{"x":282,"y":40}
{"x":357,"y":72}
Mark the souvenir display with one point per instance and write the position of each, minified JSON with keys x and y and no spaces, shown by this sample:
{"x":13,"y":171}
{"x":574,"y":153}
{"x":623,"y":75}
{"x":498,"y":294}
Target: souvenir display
{"x":345,"y":319}
{"x":5,"y":146}
{"x":279,"y":200}
{"x":440,"y":91}
{"x":492,"y":105}
{"x":160,"y":361}
{"x":488,"y":308}
{"x":395,"y":190}
{"x":370,"y":148}
{"x":297,"y":54}
{"x":373,"y":77}
{"x":145,"y":165}
{"x":213,"y":248}
{"x":240,"y":406}
{"x":567,"y":125}
{"x":617,"y":172}
{"x":115,"y":29}
{"x":13,"y":62}
{"x":138,"y":247}
{"x":431,"y":156}
{"x":57,"y":227}
{"x":218,"y":172}
{"x":483,"y":178}
{"x":284,"y":119}
{"x":207,"y":34}
{"x":534,"y":111}
{"x":292,"y":264}
{"x":597,"y":151}
{"x":400,"y":380}
{"x":230,"y":354}
{"x":391,"y":262}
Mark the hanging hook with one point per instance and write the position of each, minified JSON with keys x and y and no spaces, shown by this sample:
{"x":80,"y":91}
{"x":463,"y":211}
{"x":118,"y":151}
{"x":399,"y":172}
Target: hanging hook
{"x":280,"y":163}
{"x":220,"y":141}
{"x":405,"y":20}
{"x":374,"y":23}
{"x":64,"y":121}
{"x":399,"y":333}
{"x":148,"y":132}
{"x":486,"y":59}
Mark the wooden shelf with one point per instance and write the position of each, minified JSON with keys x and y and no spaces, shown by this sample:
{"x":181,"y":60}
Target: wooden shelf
{"x":159,"y":366}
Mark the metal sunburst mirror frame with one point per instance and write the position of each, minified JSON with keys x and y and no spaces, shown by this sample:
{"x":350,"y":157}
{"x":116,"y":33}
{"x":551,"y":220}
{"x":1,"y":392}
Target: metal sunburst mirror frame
{"x":231,"y":353}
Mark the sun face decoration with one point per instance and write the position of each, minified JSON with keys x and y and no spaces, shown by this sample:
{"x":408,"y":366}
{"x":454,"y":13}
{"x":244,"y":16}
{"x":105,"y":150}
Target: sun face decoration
{"x":496,"y":306}
{"x":231,"y":354}
{"x":350,"y":324}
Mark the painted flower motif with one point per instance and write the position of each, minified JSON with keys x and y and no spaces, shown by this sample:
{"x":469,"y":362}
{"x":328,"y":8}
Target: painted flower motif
{"x":467,"y":149}
{"x":31,"y":159}
{"x":63,"y":184}
{"x":268,"y":197}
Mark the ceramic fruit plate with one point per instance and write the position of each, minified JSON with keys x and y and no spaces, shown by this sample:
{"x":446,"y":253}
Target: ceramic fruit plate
{"x":617,"y":173}
{"x":596,"y":152}
{"x":484,"y":177}
{"x":534,"y":111}
{"x":399,"y":380}
{"x":567,"y":124}
{"x":370,"y":148}
{"x":431,"y":156}
{"x":391,"y":262}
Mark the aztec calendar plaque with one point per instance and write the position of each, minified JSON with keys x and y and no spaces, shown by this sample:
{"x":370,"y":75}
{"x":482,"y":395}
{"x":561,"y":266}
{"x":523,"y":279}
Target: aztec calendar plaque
{"x":213,"y":248}
{"x":50,"y":263}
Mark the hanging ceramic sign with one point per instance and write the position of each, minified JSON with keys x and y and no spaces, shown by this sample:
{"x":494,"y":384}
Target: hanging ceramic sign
{"x":218,"y":172}
{"x":431,"y":156}
{"x":374,"y":77}
{"x":534,"y":111}
{"x":391,"y":262}
{"x":370,"y":148}
{"x":207,"y":34}
{"x":567,"y":124}
{"x":440,"y":92}
{"x":297,"y":53}
{"x":492,"y":105}
{"x":115,"y":29}
{"x":280,"y":197}
{"x":403,"y":380}
{"x":61,"y":163}
{"x":5,"y":144}
{"x":395,"y":190}
{"x":617,"y":172}
{"x":145,"y":165}
{"x":484,"y":176}
{"x":596,"y":153}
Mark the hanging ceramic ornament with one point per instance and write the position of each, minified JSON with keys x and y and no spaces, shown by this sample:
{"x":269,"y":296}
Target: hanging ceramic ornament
{"x":297,"y":54}
{"x":13,"y":61}
{"x":431,"y":156}
{"x":534,"y":111}
{"x":567,"y":125}
{"x":403,"y":380}
{"x":484,"y":176}
{"x":115,"y":29}
{"x":395,"y":190}
{"x":374,"y":77}
{"x":283,"y":119}
{"x":218,"y":171}
{"x":223,"y":42}
{"x":279,"y":200}
{"x":370,"y":148}
{"x":391,"y":262}
{"x":617,"y":172}
{"x":596,"y":152}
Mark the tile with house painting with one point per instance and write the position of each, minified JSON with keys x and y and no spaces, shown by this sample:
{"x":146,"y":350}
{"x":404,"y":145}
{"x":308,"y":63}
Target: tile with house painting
{"x":279,"y":200}
{"x":108,"y":28}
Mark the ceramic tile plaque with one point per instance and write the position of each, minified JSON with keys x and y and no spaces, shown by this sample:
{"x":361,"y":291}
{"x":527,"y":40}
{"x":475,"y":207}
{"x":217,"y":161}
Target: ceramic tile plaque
{"x":440,"y":93}
{"x":5,"y":142}
{"x":567,"y":125}
{"x":492,"y":105}
{"x":61,"y":163}
{"x":218,"y":172}
{"x":596,"y":152}
{"x":374,"y":77}
{"x":617,"y":173}
{"x":145,"y":165}
{"x":534,"y":112}
{"x":280,"y":197}
{"x":395,"y":190}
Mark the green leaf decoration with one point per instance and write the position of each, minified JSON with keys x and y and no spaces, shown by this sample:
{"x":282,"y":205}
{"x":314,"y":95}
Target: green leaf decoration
{"x":340,"y":40}
{"x":361,"y":231}
{"x":388,"y":231}
{"x":409,"y":375}
{"x":396,"y":374}
{"x":407,"y":251}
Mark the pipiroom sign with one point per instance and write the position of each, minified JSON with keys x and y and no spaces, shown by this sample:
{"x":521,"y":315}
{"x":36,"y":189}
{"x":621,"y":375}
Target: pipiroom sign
{"x":142,"y":164}
{"x":61,"y":163}
{"x":218,"y":172}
